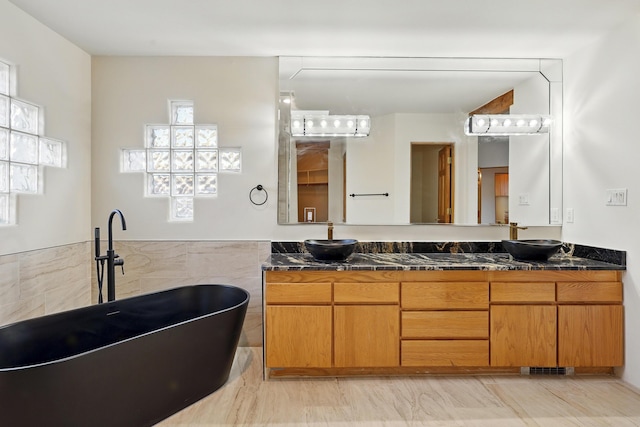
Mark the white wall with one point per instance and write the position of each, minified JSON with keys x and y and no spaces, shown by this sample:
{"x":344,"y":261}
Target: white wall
{"x":601,"y":151}
{"x":56,"y":75}
{"x":238,"y":94}
{"x":370,"y":169}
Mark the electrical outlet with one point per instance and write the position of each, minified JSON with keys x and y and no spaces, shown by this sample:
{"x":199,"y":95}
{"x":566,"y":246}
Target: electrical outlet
{"x":523,"y":200}
{"x":569,"y":215}
{"x":555,"y":215}
{"x":616,"y":197}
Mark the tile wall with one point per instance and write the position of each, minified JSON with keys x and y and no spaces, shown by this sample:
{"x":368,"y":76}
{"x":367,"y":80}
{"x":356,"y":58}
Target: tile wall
{"x":47,"y":281}
{"x":44,"y":281}
{"x":151,"y":266}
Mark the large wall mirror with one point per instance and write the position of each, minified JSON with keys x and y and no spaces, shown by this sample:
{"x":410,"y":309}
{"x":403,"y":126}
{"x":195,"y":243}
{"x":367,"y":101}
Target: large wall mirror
{"x":417,"y":165}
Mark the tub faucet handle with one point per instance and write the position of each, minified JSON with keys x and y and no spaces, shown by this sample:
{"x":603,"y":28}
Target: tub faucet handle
{"x":120,"y":262}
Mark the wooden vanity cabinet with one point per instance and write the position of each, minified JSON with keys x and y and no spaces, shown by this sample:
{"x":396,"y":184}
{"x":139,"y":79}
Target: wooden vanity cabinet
{"x":549,"y":323}
{"x":395,"y":322}
{"x":328,"y":320}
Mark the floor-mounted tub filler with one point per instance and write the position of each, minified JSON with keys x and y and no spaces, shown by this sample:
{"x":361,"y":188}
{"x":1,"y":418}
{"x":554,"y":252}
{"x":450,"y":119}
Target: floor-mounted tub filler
{"x":130,"y":362}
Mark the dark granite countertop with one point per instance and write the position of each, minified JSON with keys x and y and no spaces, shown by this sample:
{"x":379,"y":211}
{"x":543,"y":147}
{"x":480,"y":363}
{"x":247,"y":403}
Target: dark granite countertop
{"x":431,"y":261}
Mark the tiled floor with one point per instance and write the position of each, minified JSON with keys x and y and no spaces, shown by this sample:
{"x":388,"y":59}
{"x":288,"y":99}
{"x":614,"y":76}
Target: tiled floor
{"x":247,"y":400}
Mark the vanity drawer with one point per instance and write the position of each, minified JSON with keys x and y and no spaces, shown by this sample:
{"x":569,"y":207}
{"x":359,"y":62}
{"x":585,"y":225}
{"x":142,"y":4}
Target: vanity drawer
{"x":378,"y":293}
{"x":589,"y":291}
{"x":445,"y":295}
{"x":523,"y":291}
{"x":445,"y":353}
{"x":445,"y":324}
{"x":298,"y":293}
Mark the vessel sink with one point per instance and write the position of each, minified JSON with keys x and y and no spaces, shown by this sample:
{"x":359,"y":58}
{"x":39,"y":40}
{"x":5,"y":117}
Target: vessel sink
{"x":532,"y":250}
{"x":331,"y":250}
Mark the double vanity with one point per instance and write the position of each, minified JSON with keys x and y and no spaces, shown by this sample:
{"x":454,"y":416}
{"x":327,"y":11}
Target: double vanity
{"x":408,"y":308}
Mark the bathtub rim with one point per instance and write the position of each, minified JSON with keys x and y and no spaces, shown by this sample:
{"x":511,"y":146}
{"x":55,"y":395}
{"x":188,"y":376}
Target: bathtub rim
{"x":64,"y":359}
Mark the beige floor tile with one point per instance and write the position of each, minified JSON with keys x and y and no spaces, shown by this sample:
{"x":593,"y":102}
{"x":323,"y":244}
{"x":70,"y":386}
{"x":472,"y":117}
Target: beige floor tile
{"x":482,"y":401}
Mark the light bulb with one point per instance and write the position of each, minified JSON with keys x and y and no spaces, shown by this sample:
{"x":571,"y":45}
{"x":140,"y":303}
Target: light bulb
{"x":506,"y":123}
{"x":546,"y":121}
{"x":363,"y":123}
{"x":296,"y":123}
{"x":310,"y":123}
{"x":494,"y":122}
{"x":480,"y":122}
{"x":287,"y":100}
{"x":350,"y":123}
{"x":336,"y":123}
{"x":533,"y":123}
{"x":520,"y":122}
{"x":323,"y":123}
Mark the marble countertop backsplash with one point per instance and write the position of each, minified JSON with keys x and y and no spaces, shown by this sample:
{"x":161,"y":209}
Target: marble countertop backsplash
{"x":442,"y":256}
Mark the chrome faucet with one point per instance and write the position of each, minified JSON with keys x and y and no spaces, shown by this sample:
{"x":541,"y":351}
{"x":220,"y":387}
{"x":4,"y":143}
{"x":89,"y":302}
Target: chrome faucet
{"x":513,"y":230}
{"x":330,"y":230}
{"x":113,"y":259}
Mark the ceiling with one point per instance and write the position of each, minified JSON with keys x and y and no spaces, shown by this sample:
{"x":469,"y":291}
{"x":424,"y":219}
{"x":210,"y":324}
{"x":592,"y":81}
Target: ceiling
{"x":476,"y":28}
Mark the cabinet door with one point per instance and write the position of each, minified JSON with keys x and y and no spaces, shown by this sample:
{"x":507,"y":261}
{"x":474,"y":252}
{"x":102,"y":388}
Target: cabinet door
{"x":366,"y":336}
{"x":590,"y":335}
{"x":298,"y":336}
{"x":523,"y":335}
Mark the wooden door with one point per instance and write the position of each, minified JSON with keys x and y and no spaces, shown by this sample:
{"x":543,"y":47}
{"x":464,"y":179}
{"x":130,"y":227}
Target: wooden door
{"x":523,"y":335}
{"x":501,"y":184}
{"x":366,"y":336}
{"x":445,"y":197}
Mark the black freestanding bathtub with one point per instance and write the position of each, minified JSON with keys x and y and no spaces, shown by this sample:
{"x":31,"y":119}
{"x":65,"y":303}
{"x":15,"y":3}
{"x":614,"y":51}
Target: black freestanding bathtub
{"x":130,"y":362}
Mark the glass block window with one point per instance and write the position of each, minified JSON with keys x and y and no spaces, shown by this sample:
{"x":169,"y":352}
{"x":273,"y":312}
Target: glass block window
{"x":230,"y":160}
{"x":24,"y":151}
{"x":181,"y":160}
{"x":5,"y":70}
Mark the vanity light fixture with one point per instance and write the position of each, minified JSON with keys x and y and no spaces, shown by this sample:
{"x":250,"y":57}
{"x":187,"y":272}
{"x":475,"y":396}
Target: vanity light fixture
{"x":507,"y":124}
{"x":321,"y":123}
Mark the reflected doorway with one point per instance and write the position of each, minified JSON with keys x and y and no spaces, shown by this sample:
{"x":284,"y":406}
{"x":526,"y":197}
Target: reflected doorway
{"x":431,"y":183}
{"x":313,"y":181}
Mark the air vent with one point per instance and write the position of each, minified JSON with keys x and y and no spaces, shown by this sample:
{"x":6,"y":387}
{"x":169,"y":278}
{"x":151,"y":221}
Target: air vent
{"x":536,"y":370}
